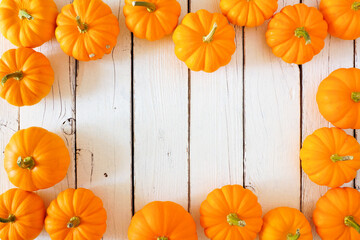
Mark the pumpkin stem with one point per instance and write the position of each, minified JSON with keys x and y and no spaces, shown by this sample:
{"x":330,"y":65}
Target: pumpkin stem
{"x":301,"y":32}
{"x":162,"y":238}
{"x":82,"y":26}
{"x":210,"y":36}
{"x":151,"y":7}
{"x":26,"y":163}
{"x":350,"y":222}
{"x":18,"y":75}
{"x":234,"y":220}
{"x":24,"y":14}
{"x":355,"y":96}
{"x":337,"y":157}
{"x":10,"y":219}
{"x":295,"y":236}
{"x":74,"y":222}
{"x":356,"y":6}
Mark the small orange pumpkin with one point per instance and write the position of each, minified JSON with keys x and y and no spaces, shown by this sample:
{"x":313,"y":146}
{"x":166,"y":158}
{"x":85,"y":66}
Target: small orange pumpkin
{"x":26,"y":76}
{"x":297,"y":33}
{"x":76,"y":214}
{"x":36,"y":159}
{"x":21,"y":215}
{"x":87,"y":29}
{"x":337,"y":215}
{"x":204,"y":41}
{"x":28,"y":23}
{"x":231,"y":212}
{"x":343,"y":17}
{"x":286,"y":224}
{"x":151,"y":19}
{"x":248,"y":13}
{"x":338,"y":98}
{"x":162,"y":221}
{"x":330,"y":157}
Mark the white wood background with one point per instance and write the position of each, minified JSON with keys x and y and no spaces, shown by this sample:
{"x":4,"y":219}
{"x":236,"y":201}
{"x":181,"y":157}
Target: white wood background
{"x":141,"y":127}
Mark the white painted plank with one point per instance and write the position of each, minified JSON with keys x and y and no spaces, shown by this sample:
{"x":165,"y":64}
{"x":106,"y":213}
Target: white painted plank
{"x":103,"y":137}
{"x":336,"y":54}
{"x":216,"y":142}
{"x":272,"y":123}
{"x":160,"y":122}
{"x":56,"y":112}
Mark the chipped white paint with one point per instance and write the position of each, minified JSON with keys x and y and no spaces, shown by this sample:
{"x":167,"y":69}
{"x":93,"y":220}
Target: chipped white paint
{"x":177,"y":156}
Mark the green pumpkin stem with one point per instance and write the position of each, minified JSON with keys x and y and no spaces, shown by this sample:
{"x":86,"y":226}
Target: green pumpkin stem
{"x":355,"y":6}
{"x":208,"y":38}
{"x":355,"y":96}
{"x":74,"y":222}
{"x":24,"y":14}
{"x":82,"y":26}
{"x":10,"y":219}
{"x":301,"y":32}
{"x":26,"y":163}
{"x":234,"y":220}
{"x":18,"y":75}
{"x":337,"y":157}
{"x":162,"y":238}
{"x":350,"y":222}
{"x":151,"y":7}
{"x":295,"y":236}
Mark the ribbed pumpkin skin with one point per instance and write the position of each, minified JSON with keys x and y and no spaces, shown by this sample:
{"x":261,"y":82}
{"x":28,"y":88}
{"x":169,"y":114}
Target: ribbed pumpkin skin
{"x":316,"y":153}
{"x":280,"y":35}
{"x":162,"y":219}
{"x":36,"y":83}
{"x":100,"y":37}
{"x":29,"y":211}
{"x":152,"y":25}
{"x":28,"y":33}
{"x":330,"y":211}
{"x":280,"y":222}
{"x":343,"y":20}
{"x":334,"y":98}
{"x":198,"y":55}
{"x":248,"y":13}
{"x":80,"y":203}
{"x":50,"y":155}
{"x":227,"y":200}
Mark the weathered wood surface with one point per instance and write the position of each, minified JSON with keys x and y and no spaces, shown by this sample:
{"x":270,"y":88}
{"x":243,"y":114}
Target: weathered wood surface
{"x":141,"y":127}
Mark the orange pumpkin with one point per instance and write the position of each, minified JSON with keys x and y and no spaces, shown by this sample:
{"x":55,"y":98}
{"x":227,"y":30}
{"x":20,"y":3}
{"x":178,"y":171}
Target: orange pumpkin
{"x":76,"y":214}
{"x":297,"y":33}
{"x":330,"y":157}
{"x":21,"y":215}
{"x":151,"y":19}
{"x":338,"y":98}
{"x":204,"y":41}
{"x":248,"y":13}
{"x":28,"y":23}
{"x":285,"y":223}
{"x":27,"y":76}
{"x":337,"y":215}
{"x":343,"y":17}
{"x":162,"y":221}
{"x":231,"y":212}
{"x":87,"y":29}
{"x":36,"y":159}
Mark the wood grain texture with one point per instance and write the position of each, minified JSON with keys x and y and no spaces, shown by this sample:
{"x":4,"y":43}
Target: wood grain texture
{"x":216,"y":125}
{"x":336,"y":54}
{"x":160,"y":122}
{"x":272,"y":123}
{"x":103,"y":137}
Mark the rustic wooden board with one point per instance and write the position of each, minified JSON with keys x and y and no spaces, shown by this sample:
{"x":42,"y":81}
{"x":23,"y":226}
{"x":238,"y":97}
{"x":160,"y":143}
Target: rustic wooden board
{"x":216,"y":124}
